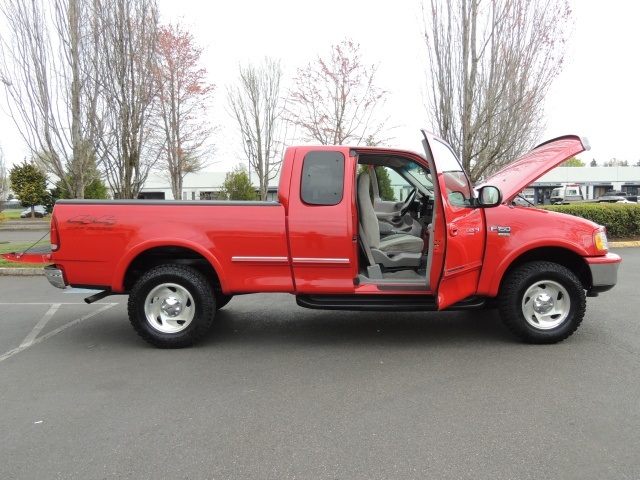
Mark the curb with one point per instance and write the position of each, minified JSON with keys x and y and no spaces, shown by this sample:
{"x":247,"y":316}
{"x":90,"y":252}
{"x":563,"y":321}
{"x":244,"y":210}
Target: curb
{"x":21,"y":272}
{"x":12,"y":228}
{"x":35,"y":272}
{"x":624,"y":244}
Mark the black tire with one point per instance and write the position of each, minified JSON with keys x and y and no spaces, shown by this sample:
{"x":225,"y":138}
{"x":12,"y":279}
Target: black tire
{"x":554,"y":306}
{"x":222,"y":300}
{"x":172,"y":306}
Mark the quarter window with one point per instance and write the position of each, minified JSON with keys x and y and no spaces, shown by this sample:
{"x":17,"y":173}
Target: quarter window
{"x":322,"y":178}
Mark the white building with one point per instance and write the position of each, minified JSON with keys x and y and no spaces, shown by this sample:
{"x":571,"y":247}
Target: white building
{"x":195,"y":186}
{"x":595,"y":181}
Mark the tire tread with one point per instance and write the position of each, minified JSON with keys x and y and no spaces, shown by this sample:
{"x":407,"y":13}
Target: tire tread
{"x":172,"y":272}
{"x":509,"y":301}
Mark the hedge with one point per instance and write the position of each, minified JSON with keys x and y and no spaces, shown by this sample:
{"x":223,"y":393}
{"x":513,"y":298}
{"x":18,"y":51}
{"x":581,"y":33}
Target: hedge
{"x":621,"y":219}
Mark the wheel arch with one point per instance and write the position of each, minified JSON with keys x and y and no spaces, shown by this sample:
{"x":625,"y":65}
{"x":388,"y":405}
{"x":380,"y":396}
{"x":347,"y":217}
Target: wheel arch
{"x":559,"y":255}
{"x":150,"y":255}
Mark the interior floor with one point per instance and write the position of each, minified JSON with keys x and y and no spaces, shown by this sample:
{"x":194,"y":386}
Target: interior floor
{"x":404,"y":275}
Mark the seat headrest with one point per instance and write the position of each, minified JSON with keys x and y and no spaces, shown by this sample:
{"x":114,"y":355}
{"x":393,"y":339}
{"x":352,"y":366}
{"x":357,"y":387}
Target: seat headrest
{"x":363,"y":184}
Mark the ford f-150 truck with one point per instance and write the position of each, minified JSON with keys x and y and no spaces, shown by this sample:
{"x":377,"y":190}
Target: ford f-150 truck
{"x":332,"y":241}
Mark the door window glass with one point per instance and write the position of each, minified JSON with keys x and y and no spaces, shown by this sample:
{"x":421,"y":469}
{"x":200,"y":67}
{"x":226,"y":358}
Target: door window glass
{"x":455,"y":180}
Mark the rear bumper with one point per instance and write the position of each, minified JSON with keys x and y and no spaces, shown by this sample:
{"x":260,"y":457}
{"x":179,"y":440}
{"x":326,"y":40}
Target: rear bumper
{"x":55,"y":276}
{"x":604,"y":272}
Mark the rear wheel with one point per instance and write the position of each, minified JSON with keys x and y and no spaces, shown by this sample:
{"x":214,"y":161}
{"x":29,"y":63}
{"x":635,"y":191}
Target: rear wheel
{"x":542,"y":302}
{"x":171,"y":306}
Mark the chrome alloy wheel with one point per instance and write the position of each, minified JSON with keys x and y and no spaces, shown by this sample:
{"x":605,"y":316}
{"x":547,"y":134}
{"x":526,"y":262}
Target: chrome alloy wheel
{"x":169,"y":308}
{"x":545,"y":305}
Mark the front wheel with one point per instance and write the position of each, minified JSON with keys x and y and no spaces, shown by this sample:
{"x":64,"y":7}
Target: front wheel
{"x":171,"y":306}
{"x":542,"y":302}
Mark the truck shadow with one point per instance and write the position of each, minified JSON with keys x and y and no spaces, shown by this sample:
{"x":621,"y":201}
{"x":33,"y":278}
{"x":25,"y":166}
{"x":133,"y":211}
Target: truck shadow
{"x":314,"y":327}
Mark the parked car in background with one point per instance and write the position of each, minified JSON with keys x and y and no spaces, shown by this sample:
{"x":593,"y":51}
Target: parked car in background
{"x":522,"y":201}
{"x":572,"y":192}
{"x":612,"y":196}
{"x":39,"y":211}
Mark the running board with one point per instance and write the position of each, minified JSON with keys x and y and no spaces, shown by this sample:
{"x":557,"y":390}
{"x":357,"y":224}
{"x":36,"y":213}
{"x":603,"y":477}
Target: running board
{"x":385,"y":303}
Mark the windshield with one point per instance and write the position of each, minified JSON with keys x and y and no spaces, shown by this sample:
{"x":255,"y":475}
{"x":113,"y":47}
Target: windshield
{"x":418,"y":174}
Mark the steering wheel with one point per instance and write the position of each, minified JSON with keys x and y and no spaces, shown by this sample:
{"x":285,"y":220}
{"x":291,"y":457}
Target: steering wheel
{"x":407,"y":203}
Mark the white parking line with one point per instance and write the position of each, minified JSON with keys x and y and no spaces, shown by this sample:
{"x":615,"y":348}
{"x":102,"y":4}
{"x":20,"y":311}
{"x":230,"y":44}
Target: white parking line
{"x":36,"y":330}
{"x":43,"y":303}
{"x":35,"y":341}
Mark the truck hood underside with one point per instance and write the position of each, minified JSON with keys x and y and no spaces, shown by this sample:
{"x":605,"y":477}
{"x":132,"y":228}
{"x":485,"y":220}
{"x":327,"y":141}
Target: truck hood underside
{"x":521,"y":173}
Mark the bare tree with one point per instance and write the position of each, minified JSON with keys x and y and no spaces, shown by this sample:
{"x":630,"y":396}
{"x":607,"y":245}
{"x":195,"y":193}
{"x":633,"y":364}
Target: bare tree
{"x":255,"y":103}
{"x":181,"y":107}
{"x":45,"y":57}
{"x":126,"y":33}
{"x":334,"y":100}
{"x":491,"y":63}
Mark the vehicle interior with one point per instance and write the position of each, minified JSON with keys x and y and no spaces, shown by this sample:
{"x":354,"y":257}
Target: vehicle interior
{"x":395,"y":200}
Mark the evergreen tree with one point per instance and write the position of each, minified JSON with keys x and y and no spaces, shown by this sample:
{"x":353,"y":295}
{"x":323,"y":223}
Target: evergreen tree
{"x":237,"y":186}
{"x":95,"y":190}
{"x":384,"y":185}
{"x":30,"y":185}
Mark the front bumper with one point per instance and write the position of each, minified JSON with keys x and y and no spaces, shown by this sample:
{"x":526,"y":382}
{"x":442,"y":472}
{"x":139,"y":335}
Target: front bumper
{"x":55,"y":276}
{"x":604,"y":272}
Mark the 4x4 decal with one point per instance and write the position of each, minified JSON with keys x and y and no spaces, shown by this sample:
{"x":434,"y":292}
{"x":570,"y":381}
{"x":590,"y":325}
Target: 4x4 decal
{"x":89,"y":222}
{"x":86,"y":219}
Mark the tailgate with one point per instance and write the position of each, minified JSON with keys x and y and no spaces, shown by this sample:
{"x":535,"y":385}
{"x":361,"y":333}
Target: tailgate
{"x":39,"y":254}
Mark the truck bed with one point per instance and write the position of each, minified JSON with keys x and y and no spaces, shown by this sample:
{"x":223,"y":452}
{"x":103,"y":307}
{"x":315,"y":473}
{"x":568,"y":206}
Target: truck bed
{"x":100,"y":240}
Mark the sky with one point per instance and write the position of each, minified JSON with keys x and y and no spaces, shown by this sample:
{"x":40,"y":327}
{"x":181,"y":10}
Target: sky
{"x":596,"y":96}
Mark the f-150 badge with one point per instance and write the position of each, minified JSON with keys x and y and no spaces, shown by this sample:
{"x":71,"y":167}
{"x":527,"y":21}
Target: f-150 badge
{"x":502,"y":231}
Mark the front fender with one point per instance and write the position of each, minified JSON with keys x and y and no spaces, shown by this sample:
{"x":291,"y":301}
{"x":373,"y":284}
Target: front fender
{"x":516,"y":231}
{"x":496,"y":265}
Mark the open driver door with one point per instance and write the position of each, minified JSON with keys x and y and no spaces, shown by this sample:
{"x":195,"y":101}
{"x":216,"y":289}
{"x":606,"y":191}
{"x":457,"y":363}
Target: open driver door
{"x":459,"y":228}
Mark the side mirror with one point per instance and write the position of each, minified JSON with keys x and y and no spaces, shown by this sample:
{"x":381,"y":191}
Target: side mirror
{"x":489,"y":196}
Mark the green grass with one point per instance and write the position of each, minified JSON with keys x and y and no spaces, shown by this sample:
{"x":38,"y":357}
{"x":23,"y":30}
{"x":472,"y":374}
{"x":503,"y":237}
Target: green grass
{"x":18,"y":248}
{"x":10,"y":214}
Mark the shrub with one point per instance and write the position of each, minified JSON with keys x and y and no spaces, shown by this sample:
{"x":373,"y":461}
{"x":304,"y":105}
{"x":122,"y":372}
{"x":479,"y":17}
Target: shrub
{"x":621,"y":219}
{"x":3,"y":218}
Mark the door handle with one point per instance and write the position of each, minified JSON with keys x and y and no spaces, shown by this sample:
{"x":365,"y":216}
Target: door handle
{"x":453,"y":230}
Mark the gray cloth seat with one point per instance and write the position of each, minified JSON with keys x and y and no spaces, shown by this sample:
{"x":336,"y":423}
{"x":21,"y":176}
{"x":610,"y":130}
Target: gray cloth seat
{"x":391,"y":244}
{"x":401,"y":242}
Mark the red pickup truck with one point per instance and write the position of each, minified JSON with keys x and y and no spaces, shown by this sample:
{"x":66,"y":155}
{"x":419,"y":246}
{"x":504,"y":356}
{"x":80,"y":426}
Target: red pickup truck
{"x":354,"y":228}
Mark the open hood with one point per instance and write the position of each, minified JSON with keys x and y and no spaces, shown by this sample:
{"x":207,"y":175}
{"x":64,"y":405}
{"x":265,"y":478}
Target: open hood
{"x":521,"y":173}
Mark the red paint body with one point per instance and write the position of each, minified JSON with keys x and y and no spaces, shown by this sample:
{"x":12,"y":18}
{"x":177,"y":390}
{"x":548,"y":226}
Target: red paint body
{"x":294,"y":247}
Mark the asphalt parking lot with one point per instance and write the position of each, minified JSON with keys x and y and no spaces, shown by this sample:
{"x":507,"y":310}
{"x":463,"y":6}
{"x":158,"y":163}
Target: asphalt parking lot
{"x":276,"y":391}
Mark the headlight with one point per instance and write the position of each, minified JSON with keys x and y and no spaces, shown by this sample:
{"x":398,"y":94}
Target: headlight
{"x":600,"y":240}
